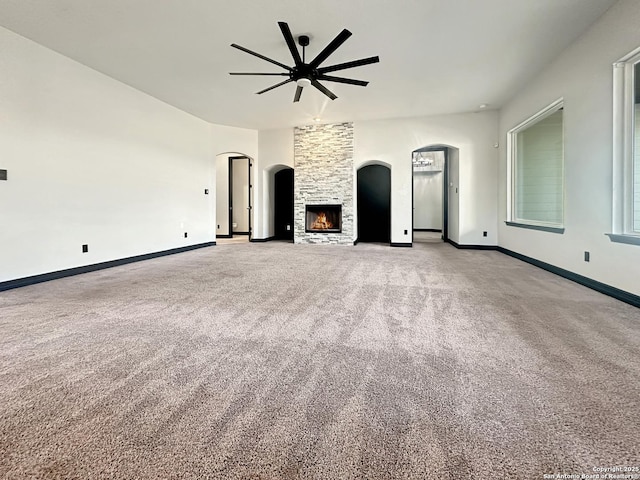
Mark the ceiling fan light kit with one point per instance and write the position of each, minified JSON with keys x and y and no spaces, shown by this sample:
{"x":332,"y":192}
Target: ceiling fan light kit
{"x":303,"y":82}
{"x":308,"y":74}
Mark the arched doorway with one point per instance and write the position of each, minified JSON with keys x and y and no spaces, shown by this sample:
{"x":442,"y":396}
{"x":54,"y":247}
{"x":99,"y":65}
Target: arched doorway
{"x":434,"y":192}
{"x":374,"y":203}
{"x":283,"y":204}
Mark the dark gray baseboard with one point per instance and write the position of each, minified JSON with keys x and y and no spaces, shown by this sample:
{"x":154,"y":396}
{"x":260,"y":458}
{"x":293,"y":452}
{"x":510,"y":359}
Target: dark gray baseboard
{"x":471,"y":247}
{"x":614,"y":292}
{"x":224,"y":236}
{"x":427,"y":230}
{"x":609,"y":290}
{"x":260,"y":240}
{"x":357,"y":241}
{"x":45,"y":277}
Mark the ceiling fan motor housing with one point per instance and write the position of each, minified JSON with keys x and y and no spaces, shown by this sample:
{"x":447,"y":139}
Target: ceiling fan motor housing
{"x":303,"y":71}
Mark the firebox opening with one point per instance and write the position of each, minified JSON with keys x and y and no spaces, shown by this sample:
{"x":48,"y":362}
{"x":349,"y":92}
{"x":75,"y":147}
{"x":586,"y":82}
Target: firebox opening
{"x":323,"y":218}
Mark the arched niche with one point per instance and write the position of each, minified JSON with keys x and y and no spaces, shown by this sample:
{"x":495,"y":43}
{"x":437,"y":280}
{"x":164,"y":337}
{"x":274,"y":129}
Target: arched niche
{"x":277,"y":194}
{"x":373,"y":201}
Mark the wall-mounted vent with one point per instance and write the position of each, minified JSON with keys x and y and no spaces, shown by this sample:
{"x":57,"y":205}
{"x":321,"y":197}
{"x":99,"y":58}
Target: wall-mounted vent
{"x":3,"y":174}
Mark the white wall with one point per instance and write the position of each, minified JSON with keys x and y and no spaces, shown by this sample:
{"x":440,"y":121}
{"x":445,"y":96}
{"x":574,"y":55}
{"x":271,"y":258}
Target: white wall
{"x":239,"y":141}
{"x":474,"y":134}
{"x":221,"y":219}
{"x":275,"y":153}
{"x":93,"y":161}
{"x":582,"y":75}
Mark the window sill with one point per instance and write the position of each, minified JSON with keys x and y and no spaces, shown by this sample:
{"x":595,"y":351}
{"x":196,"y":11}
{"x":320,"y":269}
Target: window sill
{"x":542,"y":228}
{"x":619,"y":238}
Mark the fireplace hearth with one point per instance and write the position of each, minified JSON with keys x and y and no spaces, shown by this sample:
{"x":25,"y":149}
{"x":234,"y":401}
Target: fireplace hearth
{"x":323,"y":218}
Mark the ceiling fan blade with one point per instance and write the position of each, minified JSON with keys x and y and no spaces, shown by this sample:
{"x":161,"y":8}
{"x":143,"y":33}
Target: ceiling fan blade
{"x":323,"y":89}
{"x":350,"y":81}
{"x":243,"y":73}
{"x":274,"y":86}
{"x":329,"y":49}
{"x":344,"y":66}
{"x":261,"y":56}
{"x":286,"y":33}
{"x":296,"y":97}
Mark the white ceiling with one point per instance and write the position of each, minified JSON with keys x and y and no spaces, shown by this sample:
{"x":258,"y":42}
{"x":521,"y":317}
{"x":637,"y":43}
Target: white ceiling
{"x":436,"y":56}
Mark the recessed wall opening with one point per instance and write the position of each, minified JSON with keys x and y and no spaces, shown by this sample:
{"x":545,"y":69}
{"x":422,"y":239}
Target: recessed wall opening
{"x":323,"y":218}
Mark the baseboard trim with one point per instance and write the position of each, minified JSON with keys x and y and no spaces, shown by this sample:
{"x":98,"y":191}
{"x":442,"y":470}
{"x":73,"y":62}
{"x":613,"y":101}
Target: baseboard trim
{"x":614,"y":292}
{"x":45,"y":277}
{"x":224,"y":236}
{"x":471,"y":247}
{"x":427,"y":230}
{"x":261,"y":240}
{"x":393,"y":244}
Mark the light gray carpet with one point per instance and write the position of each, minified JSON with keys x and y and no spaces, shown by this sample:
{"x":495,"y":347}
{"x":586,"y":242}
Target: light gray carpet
{"x":269,"y":361}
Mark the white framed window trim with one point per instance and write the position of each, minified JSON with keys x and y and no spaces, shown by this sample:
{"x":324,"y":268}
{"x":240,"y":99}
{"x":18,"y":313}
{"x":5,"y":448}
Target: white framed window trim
{"x":513,"y":216}
{"x":626,"y":152}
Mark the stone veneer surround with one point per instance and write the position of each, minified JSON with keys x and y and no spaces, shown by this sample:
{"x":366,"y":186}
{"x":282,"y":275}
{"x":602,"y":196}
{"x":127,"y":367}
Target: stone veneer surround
{"x":323,"y":174}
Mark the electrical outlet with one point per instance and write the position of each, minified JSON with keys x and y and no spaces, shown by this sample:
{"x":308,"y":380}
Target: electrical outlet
{"x":587,"y":256}
{"x":185,"y":234}
{"x":218,"y":227}
{"x":484,"y":234}
{"x":405,"y":232}
{"x":288,"y":227}
{"x":206,"y":191}
{"x":85,"y":248}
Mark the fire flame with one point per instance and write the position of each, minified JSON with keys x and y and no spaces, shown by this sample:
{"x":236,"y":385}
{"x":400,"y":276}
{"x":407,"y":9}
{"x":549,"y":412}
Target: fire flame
{"x":321,"y":223}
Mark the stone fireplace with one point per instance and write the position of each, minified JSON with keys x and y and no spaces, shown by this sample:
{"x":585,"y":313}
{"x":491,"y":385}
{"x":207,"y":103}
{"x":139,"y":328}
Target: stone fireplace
{"x":323,"y":170}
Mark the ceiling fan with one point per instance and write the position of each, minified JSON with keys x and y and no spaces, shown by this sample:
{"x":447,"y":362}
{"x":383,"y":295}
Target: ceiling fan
{"x":307,"y":74}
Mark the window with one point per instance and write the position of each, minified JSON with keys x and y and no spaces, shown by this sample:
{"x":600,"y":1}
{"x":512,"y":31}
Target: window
{"x":536,"y":162}
{"x":626,"y":153}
